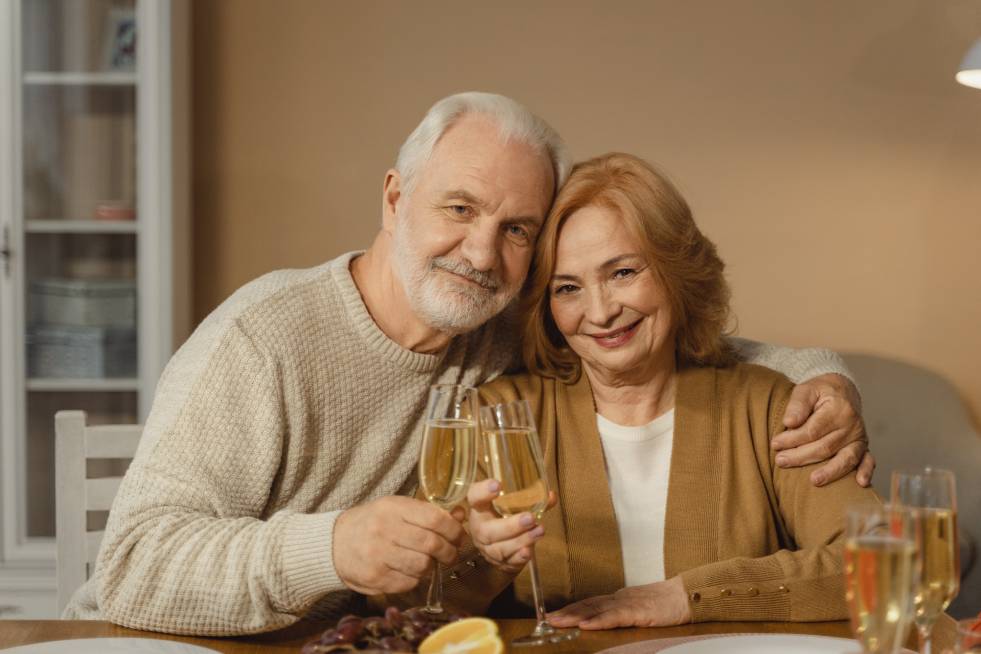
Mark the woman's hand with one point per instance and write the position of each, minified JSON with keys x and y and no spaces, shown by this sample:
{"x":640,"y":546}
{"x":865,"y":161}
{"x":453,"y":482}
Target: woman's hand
{"x":661,"y":604}
{"x":504,"y":542}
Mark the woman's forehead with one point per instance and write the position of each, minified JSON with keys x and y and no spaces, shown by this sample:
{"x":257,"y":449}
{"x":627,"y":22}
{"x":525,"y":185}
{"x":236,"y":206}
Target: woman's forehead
{"x":592,"y":236}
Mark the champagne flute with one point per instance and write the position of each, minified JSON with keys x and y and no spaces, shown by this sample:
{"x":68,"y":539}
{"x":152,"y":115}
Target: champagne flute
{"x":930,"y":493}
{"x":448,"y":460}
{"x":514,"y":458}
{"x":880,"y":566}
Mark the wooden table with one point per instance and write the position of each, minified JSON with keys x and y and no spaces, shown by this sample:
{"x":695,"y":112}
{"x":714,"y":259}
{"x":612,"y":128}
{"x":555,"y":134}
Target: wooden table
{"x":22,"y":632}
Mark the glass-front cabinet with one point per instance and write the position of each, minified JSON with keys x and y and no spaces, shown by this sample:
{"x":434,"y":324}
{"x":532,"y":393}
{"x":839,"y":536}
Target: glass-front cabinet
{"x":88,"y":288}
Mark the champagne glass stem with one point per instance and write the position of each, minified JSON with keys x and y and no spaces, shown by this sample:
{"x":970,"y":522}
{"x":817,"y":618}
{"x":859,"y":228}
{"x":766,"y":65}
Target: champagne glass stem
{"x":542,"y":628}
{"x":434,"y":600}
{"x":925,"y":640}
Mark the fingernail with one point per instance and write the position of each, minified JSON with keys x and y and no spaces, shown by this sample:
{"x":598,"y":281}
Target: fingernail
{"x":537,"y":532}
{"x":526,"y":520}
{"x":493,"y":486}
{"x":781,"y":460}
{"x":818,"y":479}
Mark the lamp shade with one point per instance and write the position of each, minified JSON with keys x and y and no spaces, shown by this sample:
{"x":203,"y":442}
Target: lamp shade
{"x":970,"y":71}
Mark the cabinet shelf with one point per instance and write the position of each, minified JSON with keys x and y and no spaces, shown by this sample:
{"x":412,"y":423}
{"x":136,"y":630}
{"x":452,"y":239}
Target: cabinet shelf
{"x":50,"y":78}
{"x":82,"y":227}
{"x":83,"y":385}
{"x":80,"y":140}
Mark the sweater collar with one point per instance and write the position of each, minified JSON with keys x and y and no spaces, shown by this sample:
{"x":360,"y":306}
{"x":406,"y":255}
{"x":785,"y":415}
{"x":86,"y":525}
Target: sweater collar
{"x":363,"y":324}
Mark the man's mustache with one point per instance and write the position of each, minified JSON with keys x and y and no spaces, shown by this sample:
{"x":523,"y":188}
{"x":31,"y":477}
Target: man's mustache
{"x":463,"y":269}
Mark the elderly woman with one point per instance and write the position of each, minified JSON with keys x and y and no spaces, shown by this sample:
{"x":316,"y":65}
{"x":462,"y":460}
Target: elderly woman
{"x":670,"y":506}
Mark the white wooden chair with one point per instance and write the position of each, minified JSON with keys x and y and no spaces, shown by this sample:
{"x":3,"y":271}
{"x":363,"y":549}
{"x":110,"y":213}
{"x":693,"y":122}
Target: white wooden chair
{"x":76,"y":494}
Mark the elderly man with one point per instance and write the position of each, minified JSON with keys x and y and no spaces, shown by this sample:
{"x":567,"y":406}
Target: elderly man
{"x":274,"y":476}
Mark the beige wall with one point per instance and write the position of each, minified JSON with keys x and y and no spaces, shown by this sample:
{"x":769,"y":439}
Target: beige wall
{"x":823,"y":145}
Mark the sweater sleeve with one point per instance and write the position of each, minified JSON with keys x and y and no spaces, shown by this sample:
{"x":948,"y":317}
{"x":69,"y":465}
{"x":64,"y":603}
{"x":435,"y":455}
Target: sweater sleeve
{"x":797,"y":364}
{"x":802,"y":582}
{"x":189,"y":547}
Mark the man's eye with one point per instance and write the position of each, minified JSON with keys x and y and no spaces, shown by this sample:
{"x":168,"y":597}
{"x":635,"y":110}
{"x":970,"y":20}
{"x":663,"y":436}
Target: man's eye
{"x":518,"y":232}
{"x":460,"y":209}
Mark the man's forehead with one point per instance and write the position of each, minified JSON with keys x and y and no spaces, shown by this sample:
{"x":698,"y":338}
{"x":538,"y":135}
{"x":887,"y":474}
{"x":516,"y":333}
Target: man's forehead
{"x":474,"y":157}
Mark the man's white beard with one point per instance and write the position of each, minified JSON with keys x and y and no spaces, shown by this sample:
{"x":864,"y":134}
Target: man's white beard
{"x":442,"y":302}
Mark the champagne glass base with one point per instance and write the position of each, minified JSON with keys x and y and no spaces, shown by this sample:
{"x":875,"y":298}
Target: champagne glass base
{"x":546,"y":637}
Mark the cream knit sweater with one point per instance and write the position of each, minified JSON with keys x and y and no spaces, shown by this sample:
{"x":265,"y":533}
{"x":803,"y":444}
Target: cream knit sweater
{"x":286,"y":406}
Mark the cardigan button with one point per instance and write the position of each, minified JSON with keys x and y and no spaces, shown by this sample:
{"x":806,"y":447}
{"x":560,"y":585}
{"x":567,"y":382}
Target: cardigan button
{"x":783,"y":589}
{"x":752,"y":591}
{"x":725,"y":592}
{"x":696,"y":596}
{"x":472,"y":563}
{"x":454,"y":576}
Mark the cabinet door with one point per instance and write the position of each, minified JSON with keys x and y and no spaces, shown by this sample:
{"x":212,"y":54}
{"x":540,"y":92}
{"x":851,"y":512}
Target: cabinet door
{"x":80,"y":230}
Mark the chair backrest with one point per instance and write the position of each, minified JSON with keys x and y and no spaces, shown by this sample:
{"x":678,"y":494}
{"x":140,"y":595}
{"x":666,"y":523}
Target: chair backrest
{"x":76,"y":494}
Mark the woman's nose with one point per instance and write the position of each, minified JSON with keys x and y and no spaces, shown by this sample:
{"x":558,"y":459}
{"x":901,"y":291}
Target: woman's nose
{"x":603,"y":306}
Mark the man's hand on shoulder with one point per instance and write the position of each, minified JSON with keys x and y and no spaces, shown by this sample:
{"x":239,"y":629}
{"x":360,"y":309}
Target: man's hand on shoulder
{"x":388,"y":545}
{"x":824,"y":423}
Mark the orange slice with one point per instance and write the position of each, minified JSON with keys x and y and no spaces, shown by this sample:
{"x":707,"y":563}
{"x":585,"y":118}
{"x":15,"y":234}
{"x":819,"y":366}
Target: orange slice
{"x":467,"y":636}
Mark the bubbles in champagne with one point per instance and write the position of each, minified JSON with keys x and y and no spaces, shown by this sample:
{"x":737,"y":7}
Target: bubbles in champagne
{"x":878,"y":576}
{"x":937,"y":553}
{"x":512,"y":458}
{"x":447,"y":461}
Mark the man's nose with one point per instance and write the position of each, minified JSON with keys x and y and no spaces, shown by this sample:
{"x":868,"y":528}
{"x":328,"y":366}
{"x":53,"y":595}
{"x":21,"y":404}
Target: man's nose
{"x":480,"y":247}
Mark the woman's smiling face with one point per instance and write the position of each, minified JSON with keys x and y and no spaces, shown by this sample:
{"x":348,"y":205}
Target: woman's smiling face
{"x":607,"y":300}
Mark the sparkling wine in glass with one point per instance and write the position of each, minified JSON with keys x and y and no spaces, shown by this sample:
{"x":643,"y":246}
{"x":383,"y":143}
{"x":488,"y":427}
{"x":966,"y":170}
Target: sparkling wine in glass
{"x":448,"y":460}
{"x":931,"y":496}
{"x":514,"y":458}
{"x":880,"y":566}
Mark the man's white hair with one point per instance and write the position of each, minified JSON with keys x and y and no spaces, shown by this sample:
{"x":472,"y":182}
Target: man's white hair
{"x":515,"y":122}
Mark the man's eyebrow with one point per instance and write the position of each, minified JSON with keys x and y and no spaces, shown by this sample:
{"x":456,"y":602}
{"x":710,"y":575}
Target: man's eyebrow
{"x":466,"y":196}
{"x":529,"y":221}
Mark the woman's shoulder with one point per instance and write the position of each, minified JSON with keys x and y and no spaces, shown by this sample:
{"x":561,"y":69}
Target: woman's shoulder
{"x":740,"y":385}
{"x":517,"y":386}
{"x":763,"y":392}
{"x":752,"y":378}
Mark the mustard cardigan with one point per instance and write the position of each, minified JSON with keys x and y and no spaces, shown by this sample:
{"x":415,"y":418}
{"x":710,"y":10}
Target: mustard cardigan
{"x":751,"y":541}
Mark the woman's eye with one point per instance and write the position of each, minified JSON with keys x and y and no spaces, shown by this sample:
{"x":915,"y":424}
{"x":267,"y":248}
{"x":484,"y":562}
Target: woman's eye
{"x":564,"y":289}
{"x":623,"y":273}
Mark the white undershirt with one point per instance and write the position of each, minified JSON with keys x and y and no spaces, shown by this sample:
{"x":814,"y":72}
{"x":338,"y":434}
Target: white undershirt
{"x":638,"y":460}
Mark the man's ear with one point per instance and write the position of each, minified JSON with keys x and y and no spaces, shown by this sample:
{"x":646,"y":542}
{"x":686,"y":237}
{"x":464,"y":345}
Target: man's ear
{"x":391,"y":193}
